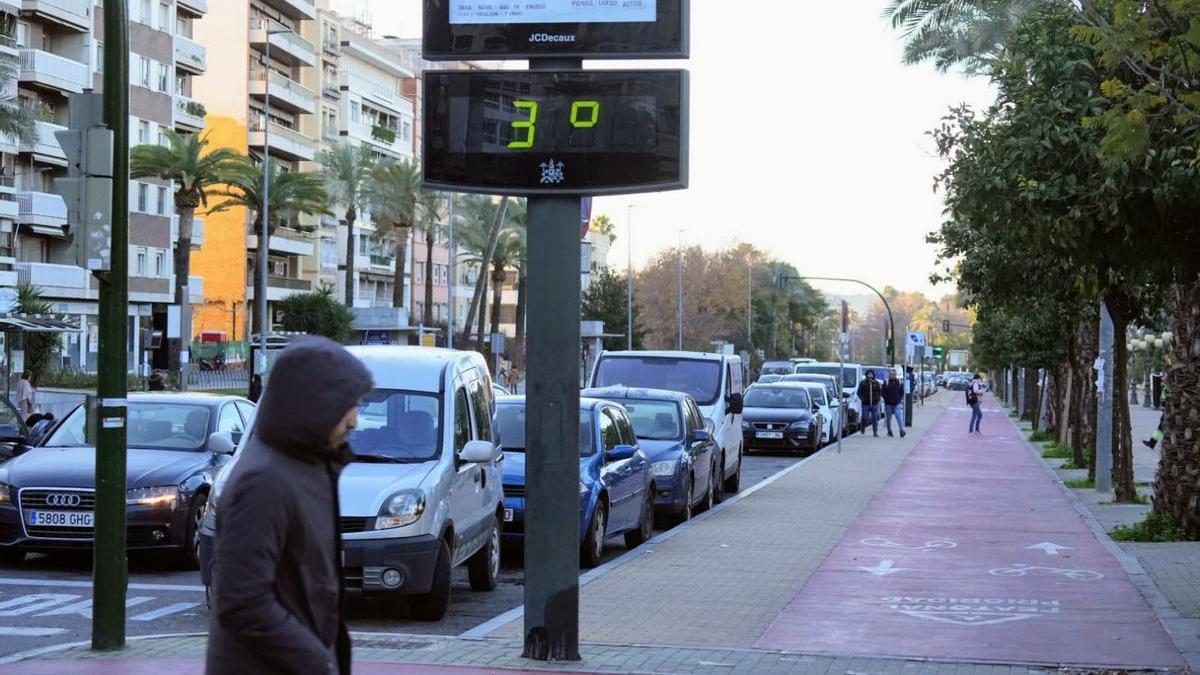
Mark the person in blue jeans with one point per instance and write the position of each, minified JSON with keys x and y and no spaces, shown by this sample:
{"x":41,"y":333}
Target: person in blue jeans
{"x":974,"y":395}
{"x":893,"y":402}
{"x":870,"y":393}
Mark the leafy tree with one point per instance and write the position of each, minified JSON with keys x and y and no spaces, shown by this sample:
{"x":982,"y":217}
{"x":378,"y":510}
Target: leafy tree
{"x":195,"y":170}
{"x":15,"y":120}
{"x":395,"y":189}
{"x":291,"y":193}
{"x":603,"y":224}
{"x":348,"y":171}
{"x":39,"y":348}
{"x":317,"y":313}
{"x":954,"y":33}
{"x":605,"y":300}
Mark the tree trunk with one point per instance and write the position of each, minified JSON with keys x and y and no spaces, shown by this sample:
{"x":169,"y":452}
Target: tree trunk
{"x":1122,"y":440}
{"x":427,"y":319}
{"x":1066,"y":388}
{"x":401,"y":259}
{"x":483,"y":274}
{"x":351,"y":271}
{"x":1177,"y":489}
{"x":517,"y":354}
{"x":1087,"y":347}
{"x":1029,"y":401}
{"x":498,"y":277}
{"x":260,"y":287}
{"x":183,"y":269}
{"x":477,"y":298}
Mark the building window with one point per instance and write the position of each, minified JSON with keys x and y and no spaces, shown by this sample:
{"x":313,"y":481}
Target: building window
{"x":99,"y":57}
{"x":140,"y":266}
{"x":160,"y":264}
{"x":164,"y":16}
{"x":143,"y":132}
{"x":419,"y":272}
{"x":162,"y":138}
{"x":162,"y":201}
{"x":406,"y":130}
{"x":147,"y":13}
{"x":145,"y":71}
{"x":164,"y":78}
{"x":143,"y":194}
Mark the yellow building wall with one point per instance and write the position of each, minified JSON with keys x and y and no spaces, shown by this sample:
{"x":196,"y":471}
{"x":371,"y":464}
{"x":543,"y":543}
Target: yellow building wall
{"x":222,"y":258}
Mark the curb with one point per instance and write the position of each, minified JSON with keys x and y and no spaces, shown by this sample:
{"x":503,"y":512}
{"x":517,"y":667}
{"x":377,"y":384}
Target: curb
{"x":1186,"y":640}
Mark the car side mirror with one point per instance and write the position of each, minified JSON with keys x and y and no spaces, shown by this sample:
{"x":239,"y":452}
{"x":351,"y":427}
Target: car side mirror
{"x":700,"y":436}
{"x":222,"y":443}
{"x":619,"y":453}
{"x":477,"y":452}
{"x":736,"y":404}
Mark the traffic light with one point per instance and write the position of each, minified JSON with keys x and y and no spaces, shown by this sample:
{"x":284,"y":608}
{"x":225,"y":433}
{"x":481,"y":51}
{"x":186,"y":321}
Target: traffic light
{"x":945,"y":325}
{"x":87,"y":188}
{"x":939,"y":353}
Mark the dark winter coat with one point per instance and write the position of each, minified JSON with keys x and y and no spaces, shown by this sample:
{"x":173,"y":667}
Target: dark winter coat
{"x":277,"y":577}
{"x":869,"y":392}
{"x":893,"y":392}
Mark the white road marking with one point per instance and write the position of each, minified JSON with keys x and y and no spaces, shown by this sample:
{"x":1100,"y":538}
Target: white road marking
{"x":28,"y":604}
{"x":1048,"y":548}
{"x":884,"y":542}
{"x":972,"y":611}
{"x":1020,"y":570}
{"x":84,"y":607}
{"x":884,"y":568}
{"x":62,"y":583}
{"x":30,"y":631}
{"x":164,"y":611}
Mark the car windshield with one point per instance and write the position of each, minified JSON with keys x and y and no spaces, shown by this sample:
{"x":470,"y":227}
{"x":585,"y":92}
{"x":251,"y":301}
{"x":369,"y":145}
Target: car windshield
{"x":777,"y":397}
{"x":152,"y":426}
{"x":510,"y":426}
{"x":655,"y":420}
{"x":817,"y":394}
{"x":397,"y":426}
{"x":849,"y":375}
{"x":699,"y":379}
{"x":10,"y":422}
{"x":822,"y":380}
{"x":778,"y":369}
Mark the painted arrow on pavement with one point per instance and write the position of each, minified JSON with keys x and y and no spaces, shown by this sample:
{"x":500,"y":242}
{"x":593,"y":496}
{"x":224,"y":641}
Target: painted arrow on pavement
{"x":884,"y":568}
{"x":1048,"y":548}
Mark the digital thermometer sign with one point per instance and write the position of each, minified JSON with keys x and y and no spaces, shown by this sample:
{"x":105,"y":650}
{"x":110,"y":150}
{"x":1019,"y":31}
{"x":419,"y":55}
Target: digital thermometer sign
{"x":555,"y":132}
{"x":593,"y":29}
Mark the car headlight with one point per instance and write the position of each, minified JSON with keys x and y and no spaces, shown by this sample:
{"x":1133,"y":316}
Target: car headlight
{"x":666,"y":467}
{"x":5,"y":494}
{"x":799,"y":424}
{"x":402,"y":508}
{"x":158,"y":495}
{"x":747,"y":425}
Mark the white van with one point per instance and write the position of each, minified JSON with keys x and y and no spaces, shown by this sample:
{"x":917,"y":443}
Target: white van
{"x":713,"y":380}
{"x":851,"y":374}
{"x":424,"y":492}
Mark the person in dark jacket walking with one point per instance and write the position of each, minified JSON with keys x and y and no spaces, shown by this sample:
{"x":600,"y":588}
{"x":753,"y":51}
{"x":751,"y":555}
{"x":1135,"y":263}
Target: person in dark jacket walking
{"x":893,"y":402}
{"x":870,"y":394}
{"x":277,"y":590}
{"x":255,"y":392}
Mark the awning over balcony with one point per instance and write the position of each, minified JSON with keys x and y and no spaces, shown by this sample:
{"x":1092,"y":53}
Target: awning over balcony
{"x":35,"y":324}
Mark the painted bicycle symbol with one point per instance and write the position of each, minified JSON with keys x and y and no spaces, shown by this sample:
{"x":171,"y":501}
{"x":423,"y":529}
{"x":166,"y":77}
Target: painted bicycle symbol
{"x":1020,"y":570}
{"x":883,"y":542}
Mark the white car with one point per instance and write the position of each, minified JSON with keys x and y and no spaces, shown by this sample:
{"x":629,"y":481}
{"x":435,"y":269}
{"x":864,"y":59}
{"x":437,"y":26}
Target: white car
{"x":820,"y":399}
{"x":851,"y":374}
{"x":833,"y":397}
{"x":424,"y":492}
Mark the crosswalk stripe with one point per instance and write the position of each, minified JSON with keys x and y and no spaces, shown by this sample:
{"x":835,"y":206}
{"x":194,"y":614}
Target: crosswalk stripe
{"x":164,"y":611}
{"x":30,"y":631}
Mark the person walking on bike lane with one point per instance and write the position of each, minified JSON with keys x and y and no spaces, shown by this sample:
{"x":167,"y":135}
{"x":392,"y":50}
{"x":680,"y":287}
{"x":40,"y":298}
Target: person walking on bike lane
{"x":974,"y":396}
{"x":870,"y":393}
{"x":893,"y":403}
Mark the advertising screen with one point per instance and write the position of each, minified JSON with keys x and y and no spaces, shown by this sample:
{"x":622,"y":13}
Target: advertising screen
{"x":551,"y":11}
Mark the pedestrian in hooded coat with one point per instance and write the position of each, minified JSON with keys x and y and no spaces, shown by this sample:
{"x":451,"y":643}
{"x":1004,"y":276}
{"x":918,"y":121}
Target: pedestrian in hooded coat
{"x":870,"y":393}
{"x":893,"y":402}
{"x":277,"y":578}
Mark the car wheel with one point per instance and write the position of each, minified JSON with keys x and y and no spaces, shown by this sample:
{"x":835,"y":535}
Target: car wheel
{"x":735,"y":481}
{"x":593,"y":543}
{"x":686,"y":513}
{"x":484,"y":567}
{"x":645,"y":529}
{"x":189,"y":556}
{"x":717,"y":479}
{"x":432,"y":606}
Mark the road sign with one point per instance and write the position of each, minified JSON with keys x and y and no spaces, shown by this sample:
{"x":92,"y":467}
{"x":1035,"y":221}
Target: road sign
{"x":945,"y":325}
{"x":457,"y":30}
{"x":87,"y":187}
{"x":916,"y":339}
{"x":565,"y":132}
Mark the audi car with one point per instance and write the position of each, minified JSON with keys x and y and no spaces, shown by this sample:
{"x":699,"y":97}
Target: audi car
{"x":781,"y":416}
{"x":176,"y":444}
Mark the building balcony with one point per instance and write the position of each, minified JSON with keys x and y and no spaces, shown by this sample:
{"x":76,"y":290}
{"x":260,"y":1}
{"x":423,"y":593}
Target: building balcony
{"x":41,"y":209}
{"x":294,"y":9}
{"x":73,"y":14}
{"x":197,"y":231}
{"x":283,"y":44}
{"x":51,"y":71}
{"x":282,"y":243}
{"x":381,"y":138}
{"x":381,"y":318}
{"x":189,"y":114}
{"x":196,"y":7}
{"x":54,"y":279}
{"x":286,"y":143}
{"x":279,"y":288}
{"x":286,"y":94}
{"x":45,"y":146}
{"x":190,"y":55}
{"x":9,"y":209}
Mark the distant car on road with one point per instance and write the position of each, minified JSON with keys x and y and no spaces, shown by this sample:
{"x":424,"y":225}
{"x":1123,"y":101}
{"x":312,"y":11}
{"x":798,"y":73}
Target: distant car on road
{"x":781,"y":416}
{"x":777,"y":368}
{"x":834,"y":397}
{"x":958,"y":381}
{"x":616,"y":487}
{"x":176,"y":444}
{"x":851,"y":374}
{"x":820,"y":402}
{"x":768,"y":379}
{"x":670,"y":428}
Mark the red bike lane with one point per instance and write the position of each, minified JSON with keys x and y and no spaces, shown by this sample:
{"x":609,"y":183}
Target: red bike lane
{"x":972,"y":552}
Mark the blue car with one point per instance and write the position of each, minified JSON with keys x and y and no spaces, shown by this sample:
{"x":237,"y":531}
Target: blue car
{"x":683,"y":456}
{"x":616,"y":488}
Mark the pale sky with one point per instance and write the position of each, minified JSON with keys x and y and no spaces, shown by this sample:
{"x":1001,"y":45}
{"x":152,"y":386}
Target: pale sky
{"x":808,"y":139}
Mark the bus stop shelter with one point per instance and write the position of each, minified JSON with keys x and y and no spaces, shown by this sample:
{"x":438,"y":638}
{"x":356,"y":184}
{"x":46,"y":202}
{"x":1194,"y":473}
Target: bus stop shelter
{"x":18,"y":324}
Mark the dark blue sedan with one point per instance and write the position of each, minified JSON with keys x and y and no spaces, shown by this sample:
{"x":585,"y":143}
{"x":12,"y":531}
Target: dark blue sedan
{"x":616,"y":488}
{"x":670,"y":428}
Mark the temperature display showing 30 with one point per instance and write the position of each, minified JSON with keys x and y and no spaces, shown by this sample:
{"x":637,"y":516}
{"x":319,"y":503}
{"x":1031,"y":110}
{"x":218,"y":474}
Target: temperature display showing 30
{"x":539,"y":132}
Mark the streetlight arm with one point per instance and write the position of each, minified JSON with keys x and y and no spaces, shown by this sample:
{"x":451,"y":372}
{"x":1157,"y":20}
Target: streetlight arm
{"x":891,"y":320}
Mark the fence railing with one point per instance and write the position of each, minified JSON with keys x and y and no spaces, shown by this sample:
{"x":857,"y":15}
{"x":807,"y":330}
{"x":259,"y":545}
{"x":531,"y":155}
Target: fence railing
{"x":216,"y":379}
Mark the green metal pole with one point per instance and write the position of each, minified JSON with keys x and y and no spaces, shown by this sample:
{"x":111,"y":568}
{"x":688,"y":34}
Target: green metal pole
{"x":110,"y":573}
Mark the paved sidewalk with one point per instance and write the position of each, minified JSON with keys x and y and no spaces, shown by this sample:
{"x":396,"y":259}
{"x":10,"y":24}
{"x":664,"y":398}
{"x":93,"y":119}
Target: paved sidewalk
{"x":973,"y":552}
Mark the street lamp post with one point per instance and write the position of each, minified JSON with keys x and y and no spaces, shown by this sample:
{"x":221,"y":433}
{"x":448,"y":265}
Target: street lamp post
{"x":264,"y":235}
{"x":679,"y":340}
{"x":629,"y":276}
{"x":891,"y":343}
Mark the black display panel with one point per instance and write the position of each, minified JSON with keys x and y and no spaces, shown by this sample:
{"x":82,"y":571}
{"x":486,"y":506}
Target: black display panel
{"x":555,"y":132}
{"x":516,"y":29}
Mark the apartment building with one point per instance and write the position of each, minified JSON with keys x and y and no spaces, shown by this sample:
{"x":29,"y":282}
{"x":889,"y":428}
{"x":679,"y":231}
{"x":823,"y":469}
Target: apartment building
{"x":234,"y":92}
{"x":57,"y":46}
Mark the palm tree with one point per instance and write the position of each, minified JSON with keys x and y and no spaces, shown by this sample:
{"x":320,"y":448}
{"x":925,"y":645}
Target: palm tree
{"x":483,"y":223}
{"x":15,"y":120}
{"x":955,"y":32}
{"x":347,"y":171}
{"x":195,"y":170}
{"x":396,"y":185}
{"x":506,"y":251}
{"x":291,"y":193}
{"x":431,"y":206}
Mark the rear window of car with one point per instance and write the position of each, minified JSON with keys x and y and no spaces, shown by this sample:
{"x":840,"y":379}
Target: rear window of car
{"x":699,"y":379}
{"x":849,"y":375}
{"x":655,"y":420}
{"x":777,"y":397}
